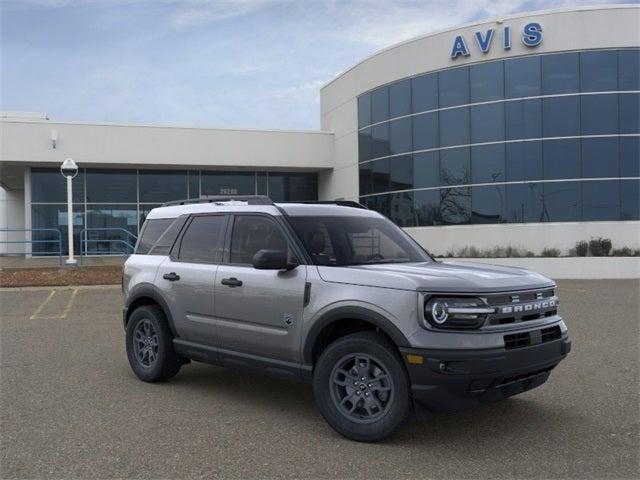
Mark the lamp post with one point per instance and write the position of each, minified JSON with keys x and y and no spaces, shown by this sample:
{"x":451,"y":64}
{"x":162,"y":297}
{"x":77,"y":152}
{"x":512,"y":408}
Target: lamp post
{"x":69,"y":169}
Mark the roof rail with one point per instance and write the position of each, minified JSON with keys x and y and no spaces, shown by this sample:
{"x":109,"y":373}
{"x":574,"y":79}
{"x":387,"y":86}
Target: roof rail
{"x":342,"y":203}
{"x":250,"y":199}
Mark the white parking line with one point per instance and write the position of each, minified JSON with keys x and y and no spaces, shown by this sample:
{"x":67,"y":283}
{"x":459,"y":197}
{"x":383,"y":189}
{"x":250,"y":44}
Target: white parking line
{"x":60,"y":316}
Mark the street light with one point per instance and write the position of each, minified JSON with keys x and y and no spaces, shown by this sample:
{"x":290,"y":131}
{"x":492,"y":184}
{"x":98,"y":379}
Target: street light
{"x":69,"y":169}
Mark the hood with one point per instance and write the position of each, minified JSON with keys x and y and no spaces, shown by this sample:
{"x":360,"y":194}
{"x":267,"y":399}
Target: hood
{"x":447,"y":276}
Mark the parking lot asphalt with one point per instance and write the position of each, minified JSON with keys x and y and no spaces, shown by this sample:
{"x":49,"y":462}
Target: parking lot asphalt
{"x":71,"y":407}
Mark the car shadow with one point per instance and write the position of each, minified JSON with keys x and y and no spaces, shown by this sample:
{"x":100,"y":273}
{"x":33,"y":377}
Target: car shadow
{"x":268,"y":396}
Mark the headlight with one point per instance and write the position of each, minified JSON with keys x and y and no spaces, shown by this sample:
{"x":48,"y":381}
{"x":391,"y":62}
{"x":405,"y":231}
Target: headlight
{"x":456,"y":312}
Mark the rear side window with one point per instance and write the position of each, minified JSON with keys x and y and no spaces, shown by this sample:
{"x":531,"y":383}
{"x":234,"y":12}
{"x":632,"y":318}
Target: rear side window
{"x":203,"y":241}
{"x":151,"y":232}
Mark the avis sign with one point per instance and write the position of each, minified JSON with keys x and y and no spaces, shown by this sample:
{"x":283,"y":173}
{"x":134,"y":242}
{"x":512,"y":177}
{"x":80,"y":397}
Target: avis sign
{"x":531,"y":37}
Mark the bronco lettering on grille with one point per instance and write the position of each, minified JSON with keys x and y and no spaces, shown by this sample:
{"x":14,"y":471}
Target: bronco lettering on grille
{"x":529,"y":307}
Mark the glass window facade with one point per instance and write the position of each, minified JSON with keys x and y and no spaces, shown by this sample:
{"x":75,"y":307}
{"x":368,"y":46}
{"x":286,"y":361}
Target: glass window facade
{"x":543,"y":138}
{"x":111,"y":205}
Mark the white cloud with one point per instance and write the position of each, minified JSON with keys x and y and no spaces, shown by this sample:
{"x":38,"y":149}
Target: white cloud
{"x":190,"y":13}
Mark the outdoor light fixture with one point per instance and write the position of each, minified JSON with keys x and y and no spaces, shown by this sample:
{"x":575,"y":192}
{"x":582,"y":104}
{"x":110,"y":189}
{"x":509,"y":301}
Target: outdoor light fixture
{"x":69,"y":169}
{"x":54,"y":138}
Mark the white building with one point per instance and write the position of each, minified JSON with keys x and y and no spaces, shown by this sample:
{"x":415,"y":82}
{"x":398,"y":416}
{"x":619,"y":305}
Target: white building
{"x":522,"y":131}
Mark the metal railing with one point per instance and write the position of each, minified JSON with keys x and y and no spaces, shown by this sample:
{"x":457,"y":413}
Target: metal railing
{"x":129,"y":242}
{"x":31,"y":241}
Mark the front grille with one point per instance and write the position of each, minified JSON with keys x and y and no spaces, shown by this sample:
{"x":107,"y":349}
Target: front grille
{"x":535,"y":337}
{"x":522,"y":306}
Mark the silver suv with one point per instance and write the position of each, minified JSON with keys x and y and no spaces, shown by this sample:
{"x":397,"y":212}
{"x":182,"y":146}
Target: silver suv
{"x":337,"y":295}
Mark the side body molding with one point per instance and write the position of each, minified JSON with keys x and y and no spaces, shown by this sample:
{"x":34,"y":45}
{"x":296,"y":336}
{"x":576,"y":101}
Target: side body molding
{"x":350,"y":312}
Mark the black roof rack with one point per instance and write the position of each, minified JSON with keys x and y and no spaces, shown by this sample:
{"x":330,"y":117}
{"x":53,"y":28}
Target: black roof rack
{"x":250,"y":199}
{"x":342,"y":203}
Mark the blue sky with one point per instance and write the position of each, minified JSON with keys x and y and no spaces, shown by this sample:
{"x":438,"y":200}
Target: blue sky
{"x":241,"y":63}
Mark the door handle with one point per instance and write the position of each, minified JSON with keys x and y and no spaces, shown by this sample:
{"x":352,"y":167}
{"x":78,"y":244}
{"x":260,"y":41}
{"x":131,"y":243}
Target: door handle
{"x":231,"y":282}
{"x":172,"y":277}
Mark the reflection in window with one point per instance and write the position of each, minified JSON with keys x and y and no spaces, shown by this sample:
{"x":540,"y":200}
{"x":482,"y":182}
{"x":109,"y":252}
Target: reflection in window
{"x":522,"y":77}
{"x":401,"y":207}
{"x":111,"y":224}
{"x":454,"y":87}
{"x":599,"y":114}
{"x":364,"y":110}
{"x":144,"y":212}
{"x":523,"y":119}
{"x":488,"y":204}
{"x":630,"y":156}
{"x":598,"y":71}
{"x":629,"y":69}
{"x":381,"y":175}
{"x":53,"y":217}
{"x":630,"y":199}
{"x":380,"y":141}
{"x":454,"y":127}
{"x":427,"y":207}
{"x":629,"y":113}
{"x":561,"y":159}
{"x":561,"y":116}
{"x":365,"y":145}
{"x":426,"y":169}
{"x":562,"y":202}
{"x":455,"y":167}
{"x":560,"y":73}
{"x":424,"y":92}
{"x":49,"y":186}
{"x":380,"y":105}
{"x":228,"y":183}
{"x":400,"y":99}
{"x":111,"y":186}
{"x":600,"y":157}
{"x":524,"y":203}
{"x":455,"y":205}
{"x":487,"y":81}
{"x":163,"y":186}
{"x":523,"y":161}
{"x":365,"y":179}
{"x":194,"y":184}
{"x":202,"y":242}
{"x":252,"y":233}
{"x":425,"y":131}
{"x":400,"y":135}
{"x":293,"y":187}
{"x":487,"y":123}
{"x":601,"y":200}
{"x":401,"y":172}
{"x":487,"y":164}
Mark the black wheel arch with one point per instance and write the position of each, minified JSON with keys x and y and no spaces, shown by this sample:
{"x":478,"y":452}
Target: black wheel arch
{"x":146,"y":294}
{"x":329,"y":319}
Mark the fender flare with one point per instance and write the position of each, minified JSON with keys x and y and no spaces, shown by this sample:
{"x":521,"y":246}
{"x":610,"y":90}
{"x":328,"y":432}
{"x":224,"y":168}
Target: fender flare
{"x":151,"y":291}
{"x":351,"y":312}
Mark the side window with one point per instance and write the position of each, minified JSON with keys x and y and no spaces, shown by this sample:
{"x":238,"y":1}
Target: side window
{"x":203,"y":240}
{"x":252,"y":233}
{"x":151,"y":233}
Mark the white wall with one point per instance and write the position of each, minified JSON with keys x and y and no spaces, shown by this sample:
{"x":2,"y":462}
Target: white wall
{"x":11,"y":216}
{"x":532,"y":236}
{"x":29,"y":141}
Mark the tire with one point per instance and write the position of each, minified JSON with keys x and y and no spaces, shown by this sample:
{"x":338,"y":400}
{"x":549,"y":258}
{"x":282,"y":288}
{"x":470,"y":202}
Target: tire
{"x":383,"y":404}
{"x":150,"y":345}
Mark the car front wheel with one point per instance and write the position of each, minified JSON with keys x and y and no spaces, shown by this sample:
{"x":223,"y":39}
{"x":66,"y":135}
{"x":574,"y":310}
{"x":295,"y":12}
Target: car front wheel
{"x":361,"y":387}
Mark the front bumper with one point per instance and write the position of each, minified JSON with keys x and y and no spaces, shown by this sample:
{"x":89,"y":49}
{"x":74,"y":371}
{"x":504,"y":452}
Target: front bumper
{"x":449,"y":380}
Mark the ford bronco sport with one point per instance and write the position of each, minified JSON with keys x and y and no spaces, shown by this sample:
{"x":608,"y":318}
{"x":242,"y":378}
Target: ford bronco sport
{"x":334,"y":294}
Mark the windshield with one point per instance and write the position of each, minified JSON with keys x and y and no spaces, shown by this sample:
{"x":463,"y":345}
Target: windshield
{"x":350,"y":240}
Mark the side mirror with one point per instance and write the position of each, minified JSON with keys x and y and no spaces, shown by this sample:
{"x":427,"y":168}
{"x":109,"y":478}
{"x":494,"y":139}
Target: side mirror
{"x":272,"y":260}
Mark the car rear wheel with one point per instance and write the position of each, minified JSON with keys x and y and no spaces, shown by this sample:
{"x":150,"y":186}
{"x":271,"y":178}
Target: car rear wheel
{"x":150,"y":345}
{"x":361,"y":387}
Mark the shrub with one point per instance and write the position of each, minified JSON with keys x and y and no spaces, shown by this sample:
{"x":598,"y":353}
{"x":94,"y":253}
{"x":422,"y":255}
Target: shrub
{"x":600,"y":247}
{"x":550,"y":252}
{"x":582,"y":248}
{"x":625,"y":252}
